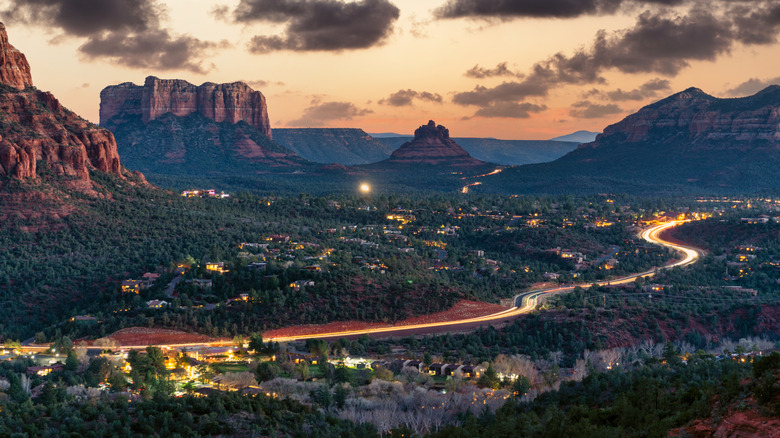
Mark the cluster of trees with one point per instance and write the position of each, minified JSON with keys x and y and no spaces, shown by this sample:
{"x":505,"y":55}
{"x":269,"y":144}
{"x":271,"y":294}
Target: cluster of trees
{"x":646,"y":402}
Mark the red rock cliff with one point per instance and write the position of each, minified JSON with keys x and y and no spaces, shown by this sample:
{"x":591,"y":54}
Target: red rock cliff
{"x":697,"y":118}
{"x":230,"y":103}
{"x":432,"y":145}
{"x":14,"y":69}
{"x":38,"y":136}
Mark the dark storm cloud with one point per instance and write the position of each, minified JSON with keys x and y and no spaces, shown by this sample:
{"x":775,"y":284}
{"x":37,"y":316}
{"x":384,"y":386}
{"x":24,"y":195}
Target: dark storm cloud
{"x":752,"y":86}
{"x":319,"y":113}
{"x":510,"y":110}
{"x":87,"y":17}
{"x":649,"y":89}
{"x":128,"y":32}
{"x":319,"y":25}
{"x":756,"y":25}
{"x":406,"y":97}
{"x":499,"y":70}
{"x":660,"y":42}
{"x":506,"y":9}
{"x":589,"y":110}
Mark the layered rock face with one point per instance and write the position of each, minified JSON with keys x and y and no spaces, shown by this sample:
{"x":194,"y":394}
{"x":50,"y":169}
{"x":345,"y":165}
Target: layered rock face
{"x":14,"y":69}
{"x":701,"y":120}
{"x":432,"y":145}
{"x":38,"y":136}
{"x":230,"y":103}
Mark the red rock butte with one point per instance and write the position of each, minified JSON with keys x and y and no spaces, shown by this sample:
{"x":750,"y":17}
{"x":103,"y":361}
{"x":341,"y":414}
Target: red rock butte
{"x":36,"y":130}
{"x":232,"y":103}
{"x":432,"y":145}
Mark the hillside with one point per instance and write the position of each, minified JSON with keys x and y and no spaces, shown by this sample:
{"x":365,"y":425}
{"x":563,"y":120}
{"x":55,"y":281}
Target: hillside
{"x":688,"y":142}
{"x":195,"y":144}
{"x":333,"y":145}
{"x":504,"y":152}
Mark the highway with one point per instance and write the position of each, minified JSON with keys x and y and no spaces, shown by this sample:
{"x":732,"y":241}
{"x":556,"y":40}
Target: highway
{"x":524,"y":303}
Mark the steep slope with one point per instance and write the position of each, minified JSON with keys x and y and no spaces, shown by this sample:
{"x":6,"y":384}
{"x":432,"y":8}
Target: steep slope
{"x":689,"y":141}
{"x":504,"y":152}
{"x":333,"y":145}
{"x":42,"y":142}
{"x":197,"y":145}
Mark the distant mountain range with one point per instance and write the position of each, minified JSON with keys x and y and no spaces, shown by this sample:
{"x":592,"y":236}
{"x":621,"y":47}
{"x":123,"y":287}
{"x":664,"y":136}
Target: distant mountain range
{"x":504,"y":152}
{"x":333,"y":145}
{"x":578,"y":137}
{"x":687,"y":142}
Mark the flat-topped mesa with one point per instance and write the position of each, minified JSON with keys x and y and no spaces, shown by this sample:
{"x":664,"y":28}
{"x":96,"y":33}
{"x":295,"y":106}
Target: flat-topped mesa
{"x":432,"y":145}
{"x":14,"y":68}
{"x":232,"y":103}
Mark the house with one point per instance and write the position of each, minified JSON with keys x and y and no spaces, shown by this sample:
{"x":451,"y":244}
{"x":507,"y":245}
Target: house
{"x":755,"y":220}
{"x":454,"y":370}
{"x":44,"y":370}
{"x":157,"y":304}
{"x":131,"y":286}
{"x":551,"y":275}
{"x":277,"y":238}
{"x":86,"y":319}
{"x":414,"y":364}
{"x":149,"y":278}
{"x":257,"y":265}
{"x":298,"y":284}
{"x":203,"y":284}
{"x":216,"y":267}
{"x":438,"y":369}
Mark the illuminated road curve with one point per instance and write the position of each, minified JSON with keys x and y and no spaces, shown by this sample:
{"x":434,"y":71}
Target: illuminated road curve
{"x":524,"y":303}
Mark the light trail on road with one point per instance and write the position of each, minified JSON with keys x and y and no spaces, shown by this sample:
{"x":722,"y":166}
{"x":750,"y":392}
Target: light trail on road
{"x":525,"y":302}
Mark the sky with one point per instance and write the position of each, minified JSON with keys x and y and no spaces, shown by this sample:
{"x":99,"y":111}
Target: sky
{"x":510,"y":69}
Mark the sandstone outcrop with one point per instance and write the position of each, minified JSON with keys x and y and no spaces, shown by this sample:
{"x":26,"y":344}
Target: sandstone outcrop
{"x":38,"y":137}
{"x":14,"y":69}
{"x":697,"y":118}
{"x":230,"y":103}
{"x":432,"y":145}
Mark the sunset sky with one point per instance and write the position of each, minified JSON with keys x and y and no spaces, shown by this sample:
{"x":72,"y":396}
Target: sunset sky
{"x":524,"y":69}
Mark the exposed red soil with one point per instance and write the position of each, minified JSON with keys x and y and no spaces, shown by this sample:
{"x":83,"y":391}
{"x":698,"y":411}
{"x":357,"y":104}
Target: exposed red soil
{"x":135,"y":336}
{"x":736,"y":423}
{"x":463,"y":309}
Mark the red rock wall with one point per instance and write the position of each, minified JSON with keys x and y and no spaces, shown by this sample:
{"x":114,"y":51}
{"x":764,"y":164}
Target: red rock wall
{"x":230,"y":103}
{"x":14,"y":69}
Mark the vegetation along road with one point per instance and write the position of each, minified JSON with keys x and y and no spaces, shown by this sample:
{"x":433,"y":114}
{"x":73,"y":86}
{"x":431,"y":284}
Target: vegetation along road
{"x":523,"y":303}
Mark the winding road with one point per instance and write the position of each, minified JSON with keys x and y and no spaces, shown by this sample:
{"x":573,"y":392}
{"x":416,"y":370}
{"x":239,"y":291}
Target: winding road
{"x":523,"y":303}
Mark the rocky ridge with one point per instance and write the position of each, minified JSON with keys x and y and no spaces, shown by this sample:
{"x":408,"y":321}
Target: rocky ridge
{"x":698,"y":119}
{"x":38,"y":137}
{"x":231,"y":103}
{"x":432,"y":145}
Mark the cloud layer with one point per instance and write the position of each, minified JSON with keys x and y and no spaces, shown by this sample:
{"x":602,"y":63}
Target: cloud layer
{"x":663,"y":41}
{"x":319,"y":113}
{"x":128,"y":32}
{"x":319,"y":25}
{"x":406,"y":97}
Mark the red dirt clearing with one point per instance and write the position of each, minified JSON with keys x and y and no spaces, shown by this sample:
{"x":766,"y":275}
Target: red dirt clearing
{"x":463,"y":309}
{"x":135,"y":336}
